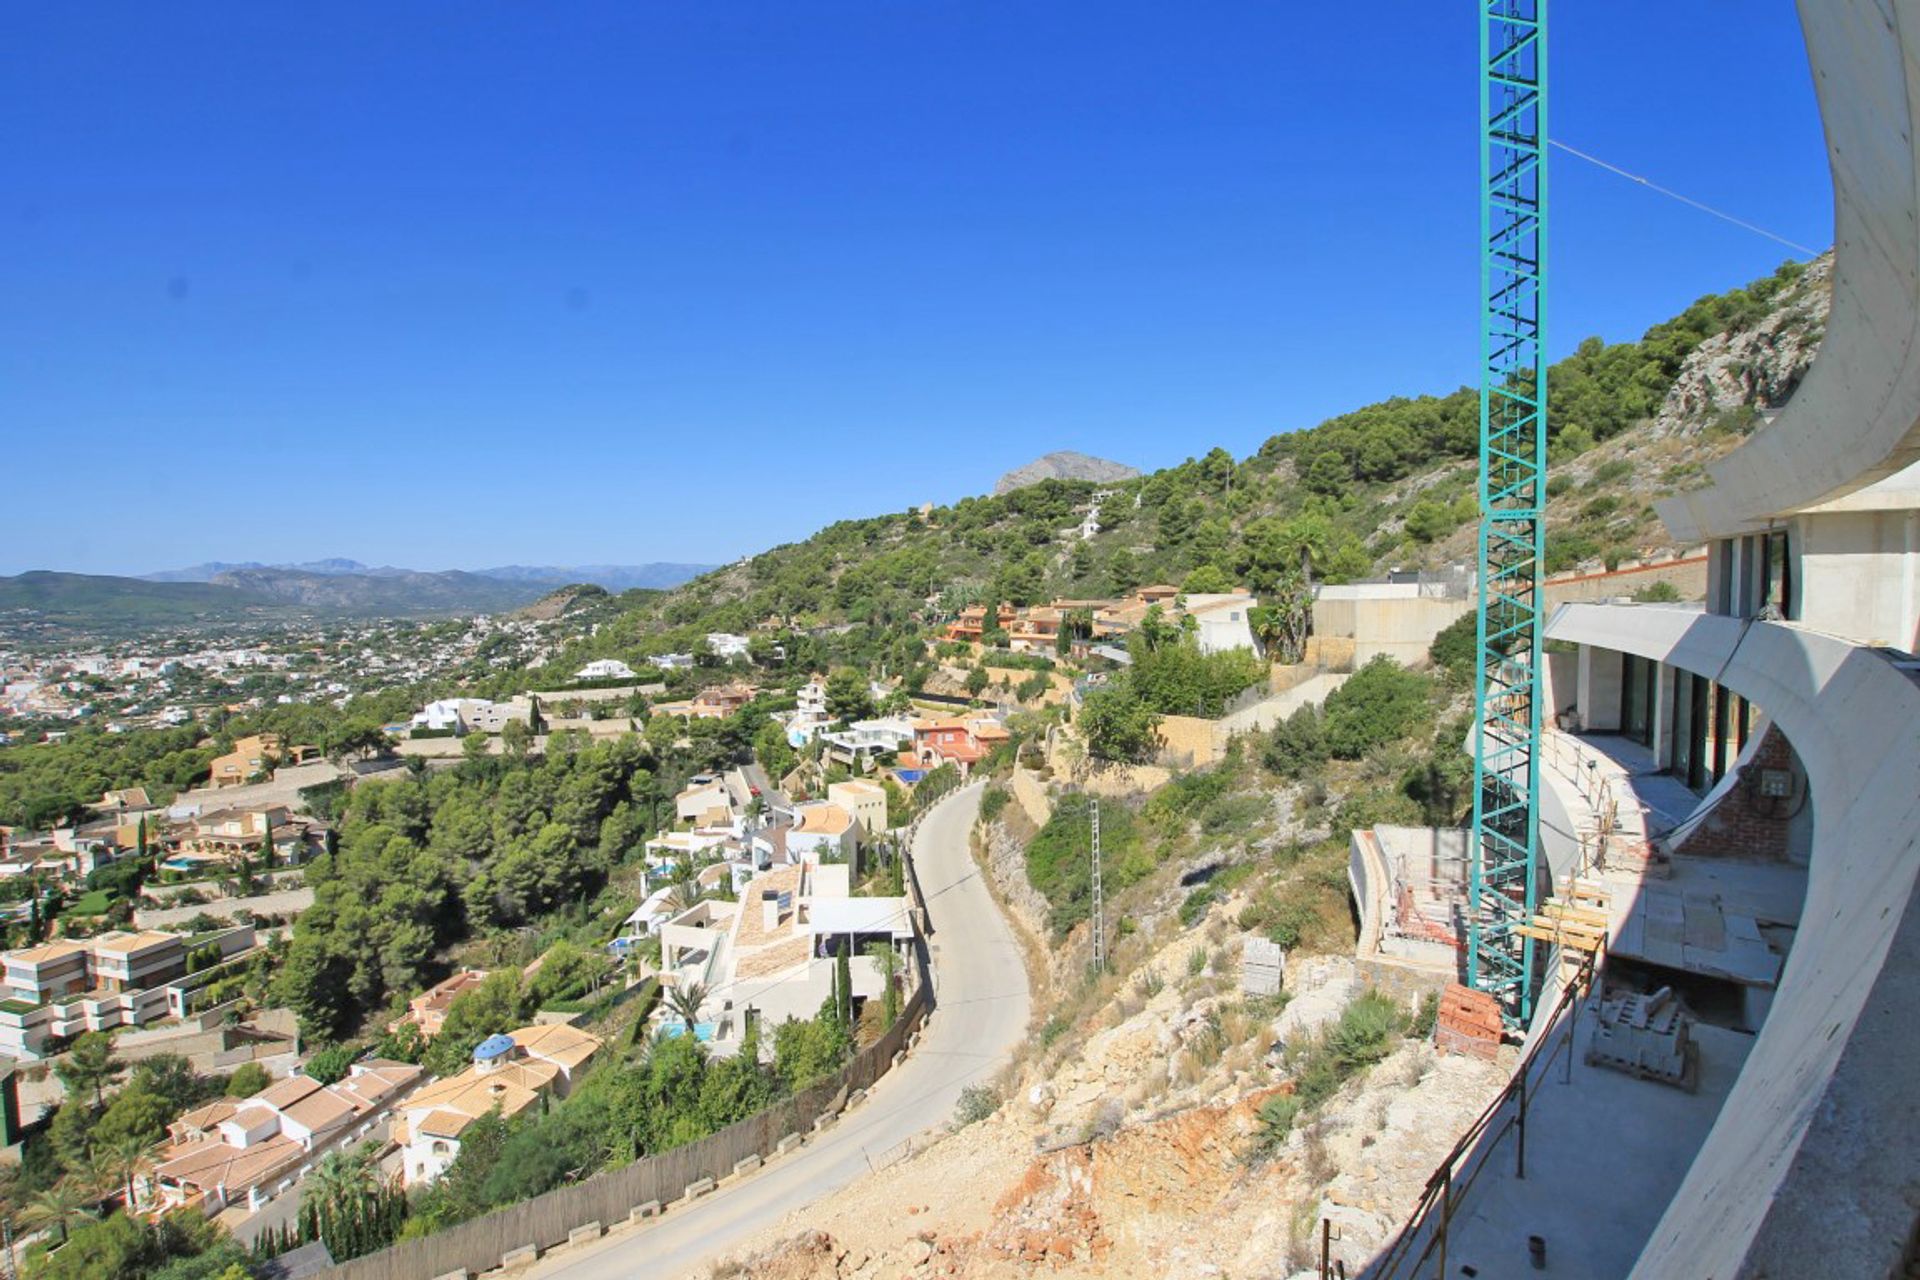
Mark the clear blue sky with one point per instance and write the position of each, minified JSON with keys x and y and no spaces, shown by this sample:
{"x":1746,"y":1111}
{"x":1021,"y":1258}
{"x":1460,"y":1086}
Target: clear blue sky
{"x":458,"y":284}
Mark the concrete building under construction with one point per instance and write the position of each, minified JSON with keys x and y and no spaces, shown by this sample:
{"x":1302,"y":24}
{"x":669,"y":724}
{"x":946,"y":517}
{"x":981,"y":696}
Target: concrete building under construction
{"x":1730,"y":823}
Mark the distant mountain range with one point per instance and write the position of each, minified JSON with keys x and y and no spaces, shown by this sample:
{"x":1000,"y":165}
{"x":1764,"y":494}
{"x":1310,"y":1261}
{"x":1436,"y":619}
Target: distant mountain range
{"x":1065,"y":465}
{"x":614,"y":577}
{"x":220,"y":593}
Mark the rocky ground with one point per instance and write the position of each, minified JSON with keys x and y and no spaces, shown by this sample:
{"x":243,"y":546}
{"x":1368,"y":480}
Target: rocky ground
{"x":1135,"y":1152}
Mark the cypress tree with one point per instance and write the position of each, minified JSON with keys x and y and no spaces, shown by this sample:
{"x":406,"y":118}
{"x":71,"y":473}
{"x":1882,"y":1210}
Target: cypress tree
{"x":843,"y":975}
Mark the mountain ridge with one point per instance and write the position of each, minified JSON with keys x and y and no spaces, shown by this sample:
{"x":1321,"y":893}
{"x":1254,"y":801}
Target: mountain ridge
{"x":1064,"y":464}
{"x":659,"y":574}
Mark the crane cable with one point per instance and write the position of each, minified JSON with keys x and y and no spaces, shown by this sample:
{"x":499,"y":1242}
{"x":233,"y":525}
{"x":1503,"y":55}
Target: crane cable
{"x":1686,"y":200}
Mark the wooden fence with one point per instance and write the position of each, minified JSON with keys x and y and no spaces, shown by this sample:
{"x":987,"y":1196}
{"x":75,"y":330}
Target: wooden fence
{"x":608,"y":1198}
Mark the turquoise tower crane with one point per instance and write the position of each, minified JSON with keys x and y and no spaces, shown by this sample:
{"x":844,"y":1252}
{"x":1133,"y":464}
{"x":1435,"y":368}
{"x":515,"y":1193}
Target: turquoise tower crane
{"x":1512,"y":493}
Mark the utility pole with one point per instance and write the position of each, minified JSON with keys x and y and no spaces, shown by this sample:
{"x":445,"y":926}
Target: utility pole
{"x":1099,"y":893}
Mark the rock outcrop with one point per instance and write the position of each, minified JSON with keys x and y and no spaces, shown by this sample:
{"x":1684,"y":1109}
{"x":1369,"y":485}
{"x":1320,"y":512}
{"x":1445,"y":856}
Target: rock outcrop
{"x":1064,"y":465}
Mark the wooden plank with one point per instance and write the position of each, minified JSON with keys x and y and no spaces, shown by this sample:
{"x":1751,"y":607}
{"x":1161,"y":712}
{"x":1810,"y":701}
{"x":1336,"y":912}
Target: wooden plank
{"x":1567,"y":911}
{"x":1580,"y":942}
{"x":1570,"y":926}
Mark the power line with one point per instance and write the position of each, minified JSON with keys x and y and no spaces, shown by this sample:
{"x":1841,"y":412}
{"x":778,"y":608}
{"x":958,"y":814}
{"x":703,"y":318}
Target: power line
{"x":1653,"y":186}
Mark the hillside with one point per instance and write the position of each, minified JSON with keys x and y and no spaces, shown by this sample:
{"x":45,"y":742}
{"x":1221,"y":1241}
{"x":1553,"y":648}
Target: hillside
{"x":98,"y":601}
{"x":1389,"y":485}
{"x":86,"y":599}
{"x":614,"y":577}
{"x":399,"y":593}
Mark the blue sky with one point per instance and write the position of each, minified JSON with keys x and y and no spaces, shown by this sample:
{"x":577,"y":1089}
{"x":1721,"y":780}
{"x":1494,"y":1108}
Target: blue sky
{"x":451,"y":285}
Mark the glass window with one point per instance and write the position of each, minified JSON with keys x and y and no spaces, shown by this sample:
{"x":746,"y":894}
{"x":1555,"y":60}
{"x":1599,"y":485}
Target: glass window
{"x":1636,"y":699}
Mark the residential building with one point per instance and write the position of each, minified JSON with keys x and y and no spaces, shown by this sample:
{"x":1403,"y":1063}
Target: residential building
{"x":972,"y":622}
{"x":251,"y":757}
{"x":509,"y":1074}
{"x":721,"y":701}
{"x":244,"y":1153}
{"x":1733,"y":784}
{"x":461,"y":716}
{"x":866,"y":800}
{"x":672,"y":661}
{"x":1035,"y":630}
{"x":811,"y":700}
{"x":863,"y":742}
{"x":824,"y":832}
{"x":428,"y":1010}
{"x":605,"y":669}
{"x":1222,"y":621}
{"x":725,"y":646}
{"x":770,"y":955}
{"x":117,"y":979}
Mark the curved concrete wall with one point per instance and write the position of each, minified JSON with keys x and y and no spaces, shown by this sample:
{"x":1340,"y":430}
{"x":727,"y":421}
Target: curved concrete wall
{"x":1856,"y":417}
{"x":1813,"y":1164}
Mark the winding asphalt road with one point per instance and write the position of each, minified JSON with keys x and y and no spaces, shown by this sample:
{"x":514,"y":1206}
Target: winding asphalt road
{"x":981,"y":1004}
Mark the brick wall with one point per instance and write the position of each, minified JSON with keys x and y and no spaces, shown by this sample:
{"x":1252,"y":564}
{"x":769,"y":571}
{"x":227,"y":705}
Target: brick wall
{"x":1745,"y":824}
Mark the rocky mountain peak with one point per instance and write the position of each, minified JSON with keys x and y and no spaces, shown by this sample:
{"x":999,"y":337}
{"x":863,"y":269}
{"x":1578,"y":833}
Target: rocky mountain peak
{"x":1064,"y":464}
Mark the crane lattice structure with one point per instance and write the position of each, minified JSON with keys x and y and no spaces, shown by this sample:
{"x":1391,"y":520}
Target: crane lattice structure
{"x":1099,"y":894}
{"x":1513,"y":466}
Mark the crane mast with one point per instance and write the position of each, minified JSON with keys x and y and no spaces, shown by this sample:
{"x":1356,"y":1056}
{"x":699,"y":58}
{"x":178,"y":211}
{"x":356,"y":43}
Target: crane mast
{"x":1512,"y":495}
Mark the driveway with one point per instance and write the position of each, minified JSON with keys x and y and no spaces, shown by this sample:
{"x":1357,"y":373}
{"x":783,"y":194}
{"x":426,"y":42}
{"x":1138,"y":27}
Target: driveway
{"x":980,"y":1015}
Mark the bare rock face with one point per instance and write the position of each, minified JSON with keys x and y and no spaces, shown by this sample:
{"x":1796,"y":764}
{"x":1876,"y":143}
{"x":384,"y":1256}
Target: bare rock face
{"x":1753,"y":370}
{"x":1064,"y":465}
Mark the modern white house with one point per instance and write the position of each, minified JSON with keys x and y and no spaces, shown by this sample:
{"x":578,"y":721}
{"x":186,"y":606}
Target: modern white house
{"x":863,"y":742}
{"x":605,"y":669}
{"x":726,"y":646}
{"x":461,"y":716}
{"x":823,"y":831}
{"x":1222,"y":620}
{"x":771,"y":955}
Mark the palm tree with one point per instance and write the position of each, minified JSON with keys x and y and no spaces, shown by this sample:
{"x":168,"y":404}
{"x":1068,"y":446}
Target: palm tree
{"x":129,"y":1156}
{"x":342,"y":1178}
{"x":56,"y":1206}
{"x":686,"y":890}
{"x":1312,"y":539}
{"x":685,"y":1002}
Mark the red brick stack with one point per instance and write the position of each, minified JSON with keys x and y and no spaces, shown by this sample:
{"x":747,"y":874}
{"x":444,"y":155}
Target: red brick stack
{"x":1469,"y":1022}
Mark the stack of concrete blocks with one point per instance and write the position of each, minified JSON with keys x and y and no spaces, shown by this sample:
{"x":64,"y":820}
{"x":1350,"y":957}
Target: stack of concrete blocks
{"x":1263,"y":966}
{"x":1649,"y":1036}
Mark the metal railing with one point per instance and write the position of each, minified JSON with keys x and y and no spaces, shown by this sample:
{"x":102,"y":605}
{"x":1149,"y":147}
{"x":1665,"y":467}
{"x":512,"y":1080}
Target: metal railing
{"x":1424,"y":1238}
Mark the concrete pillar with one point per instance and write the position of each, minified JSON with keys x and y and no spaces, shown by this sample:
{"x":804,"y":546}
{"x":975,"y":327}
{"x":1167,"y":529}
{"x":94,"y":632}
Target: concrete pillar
{"x":1662,"y":715}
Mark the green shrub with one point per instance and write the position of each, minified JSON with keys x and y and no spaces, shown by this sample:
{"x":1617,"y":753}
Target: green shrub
{"x":1366,"y":1030}
{"x":1452,"y":650}
{"x":977,"y":1102}
{"x":1658,"y":593}
{"x":1297,"y":745}
{"x":992,"y":802}
{"x":1277,"y":1115}
{"x":1378,"y":704}
{"x":331,"y":1063}
{"x":1195,"y":905}
{"x":1425,"y":1017}
{"x":1059,"y":857}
